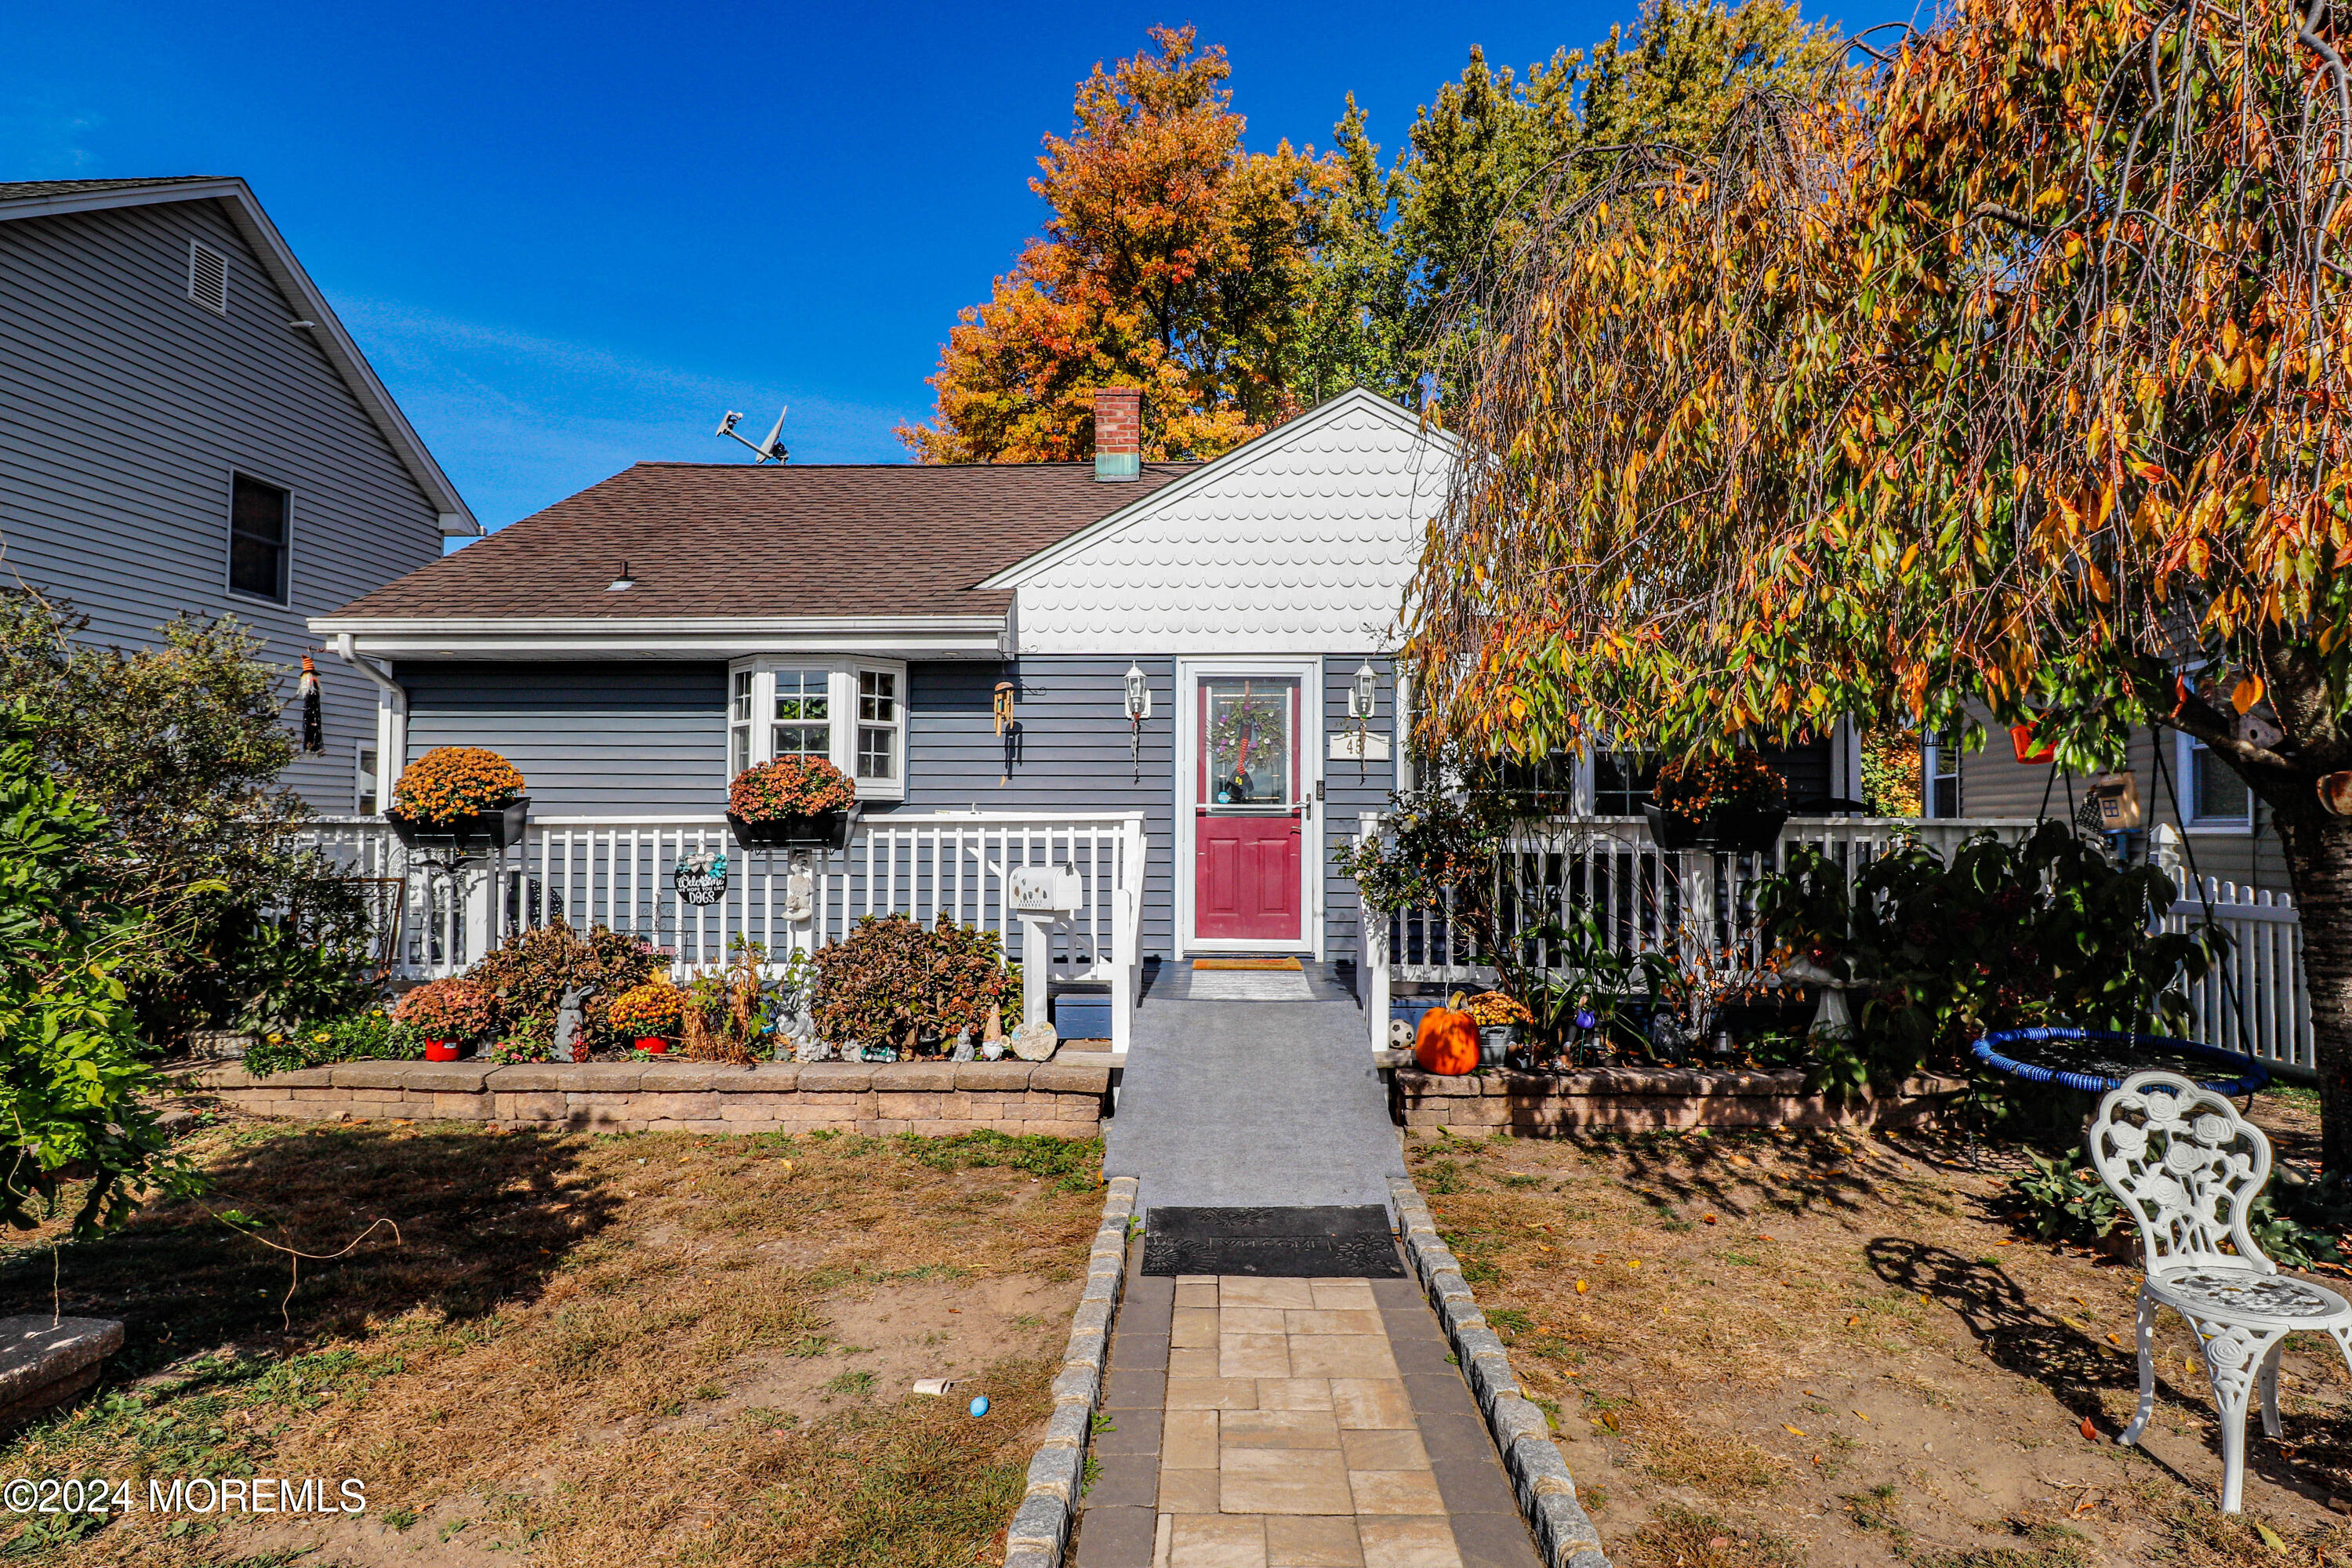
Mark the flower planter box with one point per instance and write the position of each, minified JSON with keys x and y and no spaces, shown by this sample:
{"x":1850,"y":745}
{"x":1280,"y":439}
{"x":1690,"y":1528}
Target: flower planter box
{"x":474,"y":830}
{"x":1727,"y":832}
{"x":822,"y":830}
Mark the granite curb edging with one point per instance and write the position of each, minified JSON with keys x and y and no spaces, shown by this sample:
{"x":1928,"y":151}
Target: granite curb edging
{"x":1539,"y":1478}
{"x":1041,"y":1526}
{"x":1059,"y":1098}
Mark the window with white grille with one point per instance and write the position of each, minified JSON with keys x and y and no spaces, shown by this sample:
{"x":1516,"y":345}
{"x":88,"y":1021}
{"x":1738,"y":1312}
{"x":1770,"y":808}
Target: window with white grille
{"x":207,"y":277}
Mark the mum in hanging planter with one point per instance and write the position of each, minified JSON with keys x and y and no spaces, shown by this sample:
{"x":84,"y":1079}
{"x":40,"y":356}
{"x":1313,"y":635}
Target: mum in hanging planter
{"x":449,"y":1014}
{"x":1733,"y":803}
{"x":791,"y":802}
{"x":464,"y":795}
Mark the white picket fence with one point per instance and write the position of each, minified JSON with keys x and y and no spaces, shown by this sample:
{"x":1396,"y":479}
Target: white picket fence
{"x":435,"y":919}
{"x":1700,"y":907}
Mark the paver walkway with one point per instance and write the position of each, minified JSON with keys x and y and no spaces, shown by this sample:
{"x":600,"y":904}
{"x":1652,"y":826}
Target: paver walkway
{"x":1291,"y":1424}
{"x":1264,"y":1423}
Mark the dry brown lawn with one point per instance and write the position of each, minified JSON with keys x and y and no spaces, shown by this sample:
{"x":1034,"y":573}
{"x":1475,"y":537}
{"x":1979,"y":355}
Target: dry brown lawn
{"x":579,"y":1349}
{"x":1802,"y":1349}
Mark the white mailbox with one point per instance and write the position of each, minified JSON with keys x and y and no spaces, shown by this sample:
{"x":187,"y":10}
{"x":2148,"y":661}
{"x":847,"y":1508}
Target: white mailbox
{"x":1047,"y":891}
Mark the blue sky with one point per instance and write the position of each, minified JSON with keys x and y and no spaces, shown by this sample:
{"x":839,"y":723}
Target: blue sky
{"x":570,"y":236}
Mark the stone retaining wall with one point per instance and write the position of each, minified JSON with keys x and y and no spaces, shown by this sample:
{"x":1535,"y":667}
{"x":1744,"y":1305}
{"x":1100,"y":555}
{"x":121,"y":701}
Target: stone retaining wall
{"x":1633,"y":1099}
{"x":1062,"y":1099}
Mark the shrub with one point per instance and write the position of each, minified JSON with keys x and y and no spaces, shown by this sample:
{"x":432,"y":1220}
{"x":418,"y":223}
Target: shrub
{"x":651,"y":1008}
{"x":180,"y":746}
{"x":530,"y":971}
{"x":75,"y":1095}
{"x":371,"y":1035}
{"x":2003,"y":936}
{"x":450,"y":782}
{"x":790,"y":786}
{"x":890,"y":980}
{"x":2297,"y":1220}
{"x":1741,"y":781}
{"x":453,"y":1009}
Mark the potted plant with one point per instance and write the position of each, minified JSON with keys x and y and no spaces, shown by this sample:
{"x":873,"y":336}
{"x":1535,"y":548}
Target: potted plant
{"x":791,"y":802}
{"x":1733,"y":803}
{"x":1500,"y":1017}
{"x":449,"y":1013}
{"x":465,"y":797}
{"x":646,"y":1014}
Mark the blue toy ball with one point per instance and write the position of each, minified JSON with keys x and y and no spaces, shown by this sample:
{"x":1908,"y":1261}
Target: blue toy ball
{"x":979,"y":1405}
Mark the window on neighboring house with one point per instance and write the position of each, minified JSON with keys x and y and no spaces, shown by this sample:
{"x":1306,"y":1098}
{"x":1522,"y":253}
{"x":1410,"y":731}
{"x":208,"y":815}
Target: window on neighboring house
{"x":364,"y":785}
{"x":786,"y":707}
{"x":1621,"y":782}
{"x":2217,"y":797}
{"x":878,"y":724}
{"x":1939,"y":771}
{"x":803,"y":726}
{"x":257,"y":538}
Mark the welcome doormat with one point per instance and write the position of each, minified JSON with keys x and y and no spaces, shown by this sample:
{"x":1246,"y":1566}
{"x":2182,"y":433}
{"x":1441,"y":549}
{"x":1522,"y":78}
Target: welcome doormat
{"x":1248,"y":963}
{"x":1350,"y":1242}
{"x":1249,"y":985}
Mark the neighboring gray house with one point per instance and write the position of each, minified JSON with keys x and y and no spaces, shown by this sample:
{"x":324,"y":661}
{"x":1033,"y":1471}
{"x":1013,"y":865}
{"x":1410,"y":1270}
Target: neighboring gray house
{"x":632,"y":648}
{"x":185,"y":426}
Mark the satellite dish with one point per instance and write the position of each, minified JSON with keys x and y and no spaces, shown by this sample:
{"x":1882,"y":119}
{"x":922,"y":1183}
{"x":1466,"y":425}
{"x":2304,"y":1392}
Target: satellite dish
{"x":771,"y":449}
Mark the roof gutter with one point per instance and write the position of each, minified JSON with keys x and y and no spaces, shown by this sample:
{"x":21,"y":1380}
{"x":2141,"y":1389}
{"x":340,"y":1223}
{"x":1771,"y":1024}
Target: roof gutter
{"x":604,"y":637}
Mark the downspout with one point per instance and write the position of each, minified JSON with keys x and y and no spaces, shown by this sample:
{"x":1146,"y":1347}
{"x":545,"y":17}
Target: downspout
{"x":391,"y":710}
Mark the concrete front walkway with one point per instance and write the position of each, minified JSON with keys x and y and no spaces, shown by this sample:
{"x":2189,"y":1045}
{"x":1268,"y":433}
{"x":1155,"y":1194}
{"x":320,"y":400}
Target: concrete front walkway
{"x":1258,"y":1423}
{"x":1252,"y":1105}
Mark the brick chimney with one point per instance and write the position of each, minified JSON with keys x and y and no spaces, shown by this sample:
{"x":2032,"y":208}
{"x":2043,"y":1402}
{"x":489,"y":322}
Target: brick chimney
{"x":1119,"y":432}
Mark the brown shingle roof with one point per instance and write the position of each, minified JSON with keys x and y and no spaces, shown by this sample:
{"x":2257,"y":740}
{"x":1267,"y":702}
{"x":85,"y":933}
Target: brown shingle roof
{"x":729,"y":539}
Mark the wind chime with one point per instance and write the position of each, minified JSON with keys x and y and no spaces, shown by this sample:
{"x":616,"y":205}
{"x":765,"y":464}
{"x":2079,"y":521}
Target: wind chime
{"x":314,"y":723}
{"x":1007,"y":730}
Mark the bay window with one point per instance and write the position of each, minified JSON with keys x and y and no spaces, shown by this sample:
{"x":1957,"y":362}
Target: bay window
{"x":851,"y":713}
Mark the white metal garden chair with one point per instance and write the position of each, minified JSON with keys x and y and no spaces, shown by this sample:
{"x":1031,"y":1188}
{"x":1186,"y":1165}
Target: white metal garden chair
{"x":2180,"y":1157}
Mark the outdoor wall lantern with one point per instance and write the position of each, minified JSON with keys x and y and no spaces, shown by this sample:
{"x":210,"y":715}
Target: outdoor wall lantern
{"x":1139,"y":709}
{"x":1367,"y":691}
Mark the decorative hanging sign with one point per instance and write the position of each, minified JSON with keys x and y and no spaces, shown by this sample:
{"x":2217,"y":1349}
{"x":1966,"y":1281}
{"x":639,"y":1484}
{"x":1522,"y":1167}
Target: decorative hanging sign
{"x":701,"y":879}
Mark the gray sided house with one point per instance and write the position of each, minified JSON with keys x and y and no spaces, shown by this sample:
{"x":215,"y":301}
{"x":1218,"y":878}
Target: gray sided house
{"x":185,"y":425}
{"x":963,"y":642}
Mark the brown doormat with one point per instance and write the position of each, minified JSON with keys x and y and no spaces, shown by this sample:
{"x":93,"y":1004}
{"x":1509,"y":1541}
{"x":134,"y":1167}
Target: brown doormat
{"x":1248,"y":963}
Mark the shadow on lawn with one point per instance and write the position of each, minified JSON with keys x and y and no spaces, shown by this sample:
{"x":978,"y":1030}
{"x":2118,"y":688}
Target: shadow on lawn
{"x":1664,"y":1170}
{"x":483,"y":1220}
{"x":2073,"y":1364}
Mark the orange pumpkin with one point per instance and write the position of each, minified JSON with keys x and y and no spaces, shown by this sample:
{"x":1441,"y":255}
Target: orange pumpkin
{"x":1447,"y":1042}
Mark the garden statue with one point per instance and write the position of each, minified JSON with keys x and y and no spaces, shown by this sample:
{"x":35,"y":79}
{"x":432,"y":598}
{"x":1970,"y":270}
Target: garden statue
{"x":570,"y":1045}
{"x":800,"y":892}
{"x":963,"y":1051}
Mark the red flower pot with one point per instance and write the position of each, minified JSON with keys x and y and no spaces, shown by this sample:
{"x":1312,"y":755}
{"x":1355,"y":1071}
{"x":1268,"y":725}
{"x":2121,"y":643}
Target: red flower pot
{"x":440,"y":1050}
{"x":652,"y":1044}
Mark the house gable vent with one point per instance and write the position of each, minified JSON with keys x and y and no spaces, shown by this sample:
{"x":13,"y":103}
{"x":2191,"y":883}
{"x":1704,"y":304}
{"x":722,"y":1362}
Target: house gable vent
{"x":207,"y":277}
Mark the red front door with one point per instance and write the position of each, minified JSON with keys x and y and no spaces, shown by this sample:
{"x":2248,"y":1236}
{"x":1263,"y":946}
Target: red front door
{"x":1247,"y":822}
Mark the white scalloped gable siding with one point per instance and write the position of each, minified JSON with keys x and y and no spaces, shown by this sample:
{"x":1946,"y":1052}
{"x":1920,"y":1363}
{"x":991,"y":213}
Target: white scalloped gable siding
{"x":1300,"y":542}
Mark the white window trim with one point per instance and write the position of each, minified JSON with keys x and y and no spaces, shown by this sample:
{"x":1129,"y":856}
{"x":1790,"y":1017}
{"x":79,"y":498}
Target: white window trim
{"x":365,"y":782}
{"x":1932,"y":757}
{"x":2184,"y":786}
{"x":841,"y":713}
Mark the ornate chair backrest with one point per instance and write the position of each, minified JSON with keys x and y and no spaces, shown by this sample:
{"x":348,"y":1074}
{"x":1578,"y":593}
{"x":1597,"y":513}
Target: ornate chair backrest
{"x":2181,"y":1158}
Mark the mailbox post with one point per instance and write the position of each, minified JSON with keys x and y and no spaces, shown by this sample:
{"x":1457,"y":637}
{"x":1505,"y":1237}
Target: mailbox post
{"x":1042,"y":897}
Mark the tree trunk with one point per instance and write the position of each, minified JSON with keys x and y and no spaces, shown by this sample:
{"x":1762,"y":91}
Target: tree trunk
{"x":2318,"y":847}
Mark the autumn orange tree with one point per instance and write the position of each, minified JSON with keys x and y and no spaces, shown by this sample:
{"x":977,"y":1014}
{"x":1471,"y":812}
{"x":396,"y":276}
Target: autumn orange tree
{"x":1175,"y":259}
{"x":2010,"y":386}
